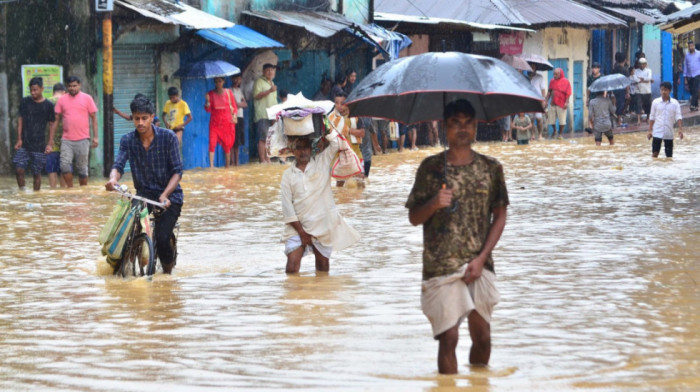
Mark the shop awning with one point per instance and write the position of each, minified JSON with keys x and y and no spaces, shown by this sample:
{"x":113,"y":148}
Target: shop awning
{"x":328,"y":24}
{"x":175,"y":13}
{"x":239,"y":37}
{"x":389,"y":17}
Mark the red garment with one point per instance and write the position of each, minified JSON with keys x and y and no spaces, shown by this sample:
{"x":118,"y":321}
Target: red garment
{"x":222,"y":129}
{"x":561,"y":91}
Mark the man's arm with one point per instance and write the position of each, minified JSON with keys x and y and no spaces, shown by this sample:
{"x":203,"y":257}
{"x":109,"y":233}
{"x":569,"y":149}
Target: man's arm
{"x":265,"y":93}
{"x":114,"y":177}
{"x":476,"y":265}
{"x":188,"y":119}
{"x":421,"y":214}
{"x":20,"y":124}
{"x":164,"y":117}
{"x":95,"y":135}
{"x":172,"y":184}
{"x":52,"y":130}
{"x":306,"y":238}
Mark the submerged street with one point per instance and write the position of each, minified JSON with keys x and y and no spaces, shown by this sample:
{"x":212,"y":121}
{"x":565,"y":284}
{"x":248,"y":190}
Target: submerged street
{"x":598,"y":270}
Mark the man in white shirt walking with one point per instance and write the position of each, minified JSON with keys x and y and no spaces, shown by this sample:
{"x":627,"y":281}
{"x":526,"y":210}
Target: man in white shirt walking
{"x":643,"y":78}
{"x":312,"y":221}
{"x":665,"y":112}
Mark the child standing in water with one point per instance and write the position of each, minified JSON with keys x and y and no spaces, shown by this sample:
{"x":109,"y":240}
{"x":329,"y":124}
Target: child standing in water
{"x":523,"y":126}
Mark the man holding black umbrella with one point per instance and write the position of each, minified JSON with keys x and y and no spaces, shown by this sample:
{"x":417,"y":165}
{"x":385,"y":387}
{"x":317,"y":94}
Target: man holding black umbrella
{"x":460,"y":198}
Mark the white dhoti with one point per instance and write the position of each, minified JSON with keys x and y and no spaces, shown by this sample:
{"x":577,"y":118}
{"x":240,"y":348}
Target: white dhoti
{"x":447,"y":300}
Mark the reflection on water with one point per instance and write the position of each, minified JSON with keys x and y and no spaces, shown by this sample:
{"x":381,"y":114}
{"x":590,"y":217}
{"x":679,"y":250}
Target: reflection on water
{"x":598,"y":270}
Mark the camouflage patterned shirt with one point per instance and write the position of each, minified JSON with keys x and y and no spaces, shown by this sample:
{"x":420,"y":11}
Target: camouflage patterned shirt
{"x":451,"y":239}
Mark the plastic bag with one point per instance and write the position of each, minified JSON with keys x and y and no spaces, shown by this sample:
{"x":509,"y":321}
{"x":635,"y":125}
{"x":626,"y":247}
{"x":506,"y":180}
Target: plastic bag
{"x":114,"y":220}
{"x":114,"y":248}
{"x":276,"y":143}
{"x":347,"y":164}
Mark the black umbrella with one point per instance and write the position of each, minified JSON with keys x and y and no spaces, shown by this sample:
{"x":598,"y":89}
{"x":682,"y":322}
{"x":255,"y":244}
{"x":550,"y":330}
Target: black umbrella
{"x":610,"y":82}
{"x":417,"y":88}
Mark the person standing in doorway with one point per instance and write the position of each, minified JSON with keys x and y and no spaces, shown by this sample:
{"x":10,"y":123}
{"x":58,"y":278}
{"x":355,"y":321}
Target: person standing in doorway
{"x":595,"y":75}
{"x":665,"y":113}
{"x":176,"y":113}
{"x":77,"y":110}
{"x":240,"y":125}
{"x":559,"y":92}
{"x":35,"y":113}
{"x":351,"y":77}
{"x":691,"y":72}
{"x":339,"y":87}
{"x":621,"y":95}
{"x":460,"y":198}
{"x":53,"y":160}
{"x":265,"y":96}
{"x":643,"y":77}
{"x":221,"y":103}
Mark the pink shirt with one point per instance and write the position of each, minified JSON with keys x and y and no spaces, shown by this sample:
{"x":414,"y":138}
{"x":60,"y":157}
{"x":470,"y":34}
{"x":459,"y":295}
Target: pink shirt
{"x":76,"y":115}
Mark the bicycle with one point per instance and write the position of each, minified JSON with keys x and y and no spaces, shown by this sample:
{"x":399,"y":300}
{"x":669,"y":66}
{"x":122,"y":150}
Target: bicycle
{"x":139,"y":248}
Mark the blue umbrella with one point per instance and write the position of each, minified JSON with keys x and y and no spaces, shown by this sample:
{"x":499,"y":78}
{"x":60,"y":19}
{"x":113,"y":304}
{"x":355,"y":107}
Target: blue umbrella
{"x":208,"y":69}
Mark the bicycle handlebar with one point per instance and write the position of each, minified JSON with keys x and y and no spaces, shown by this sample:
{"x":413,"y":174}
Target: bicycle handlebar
{"x":122,"y":190}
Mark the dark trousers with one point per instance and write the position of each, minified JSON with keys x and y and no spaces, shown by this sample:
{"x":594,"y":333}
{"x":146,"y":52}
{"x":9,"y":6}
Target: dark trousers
{"x":694,"y":85}
{"x":165,"y":224}
{"x":668,"y":146}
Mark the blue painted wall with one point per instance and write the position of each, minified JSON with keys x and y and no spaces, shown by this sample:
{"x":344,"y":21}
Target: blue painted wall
{"x":303,"y":73}
{"x":578,"y":96}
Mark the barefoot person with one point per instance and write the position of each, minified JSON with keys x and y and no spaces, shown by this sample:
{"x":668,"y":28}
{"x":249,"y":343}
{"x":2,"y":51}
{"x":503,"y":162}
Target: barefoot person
{"x":462,"y":208}
{"x":312,"y":221}
{"x":156,"y":167}
{"x":665,"y":113}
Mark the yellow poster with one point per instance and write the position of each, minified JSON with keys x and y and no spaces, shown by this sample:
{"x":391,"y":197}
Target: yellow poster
{"x":51,"y":74}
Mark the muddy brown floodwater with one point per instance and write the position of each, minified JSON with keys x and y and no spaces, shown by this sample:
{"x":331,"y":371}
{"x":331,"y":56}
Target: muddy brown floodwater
{"x":598,"y":270}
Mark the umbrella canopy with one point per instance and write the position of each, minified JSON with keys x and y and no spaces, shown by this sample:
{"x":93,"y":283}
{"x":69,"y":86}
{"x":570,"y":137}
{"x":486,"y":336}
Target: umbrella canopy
{"x":610,"y":82}
{"x":417,"y":88}
{"x":207,"y":69}
{"x":540,"y":62}
{"x":516,"y":62}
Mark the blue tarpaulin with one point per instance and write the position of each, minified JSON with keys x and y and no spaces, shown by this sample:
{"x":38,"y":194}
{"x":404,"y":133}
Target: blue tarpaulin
{"x":239,"y":37}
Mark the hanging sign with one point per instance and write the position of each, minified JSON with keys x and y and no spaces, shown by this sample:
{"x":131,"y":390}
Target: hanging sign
{"x":104,"y":5}
{"x":51,"y":74}
{"x":511,"y":43}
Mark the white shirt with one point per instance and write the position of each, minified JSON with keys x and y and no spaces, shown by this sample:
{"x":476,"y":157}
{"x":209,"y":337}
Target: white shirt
{"x":238,"y":94}
{"x":665,"y":114}
{"x":307,"y":198}
{"x":639,"y":74}
{"x":538,"y":83}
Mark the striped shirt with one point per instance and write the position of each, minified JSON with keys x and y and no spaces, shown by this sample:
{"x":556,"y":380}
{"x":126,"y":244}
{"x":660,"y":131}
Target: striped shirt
{"x":151,"y":169}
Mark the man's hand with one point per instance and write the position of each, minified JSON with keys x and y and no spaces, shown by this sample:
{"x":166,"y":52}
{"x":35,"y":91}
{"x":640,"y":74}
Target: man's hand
{"x":18,"y":145}
{"x":49,"y":148}
{"x":649,"y":135}
{"x":680,"y":133}
{"x":164,"y":199}
{"x":474,"y":269}
{"x":443,"y":198}
{"x":95,"y":142}
{"x":111,"y":185}
{"x":306,"y":239}
{"x":273,"y":89}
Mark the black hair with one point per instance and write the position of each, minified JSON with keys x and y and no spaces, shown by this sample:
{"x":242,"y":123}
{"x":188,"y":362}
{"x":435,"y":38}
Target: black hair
{"x":459,"y":106}
{"x":620,"y":57}
{"x":341,"y":94}
{"x":303,"y":139}
{"x":173,"y":91}
{"x":72,"y":79}
{"x":349,"y":71}
{"x":139,"y":95}
{"x":283,"y":93}
{"x":36,"y":81}
{"x":141,"y":104}
{"x":666,"y":85}
{"x":59,"y":87}
{"x":268,"y":65}
{"x":340,"y":78}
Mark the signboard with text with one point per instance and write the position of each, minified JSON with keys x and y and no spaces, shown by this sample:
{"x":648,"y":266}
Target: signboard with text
{"x":511,"y":43}
{"x":51,"y":74}
{"x":104,"y":5}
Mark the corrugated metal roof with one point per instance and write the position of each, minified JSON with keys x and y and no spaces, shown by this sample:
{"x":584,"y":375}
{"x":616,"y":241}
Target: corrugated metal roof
{"x":239,"y":37}
{"x":322,"y":24}
{"x":171,"y":13}
{"x":389,"y":17}
{"x":503,"y":12}
{"x":638,"y":16}
{"x":683,"y":21}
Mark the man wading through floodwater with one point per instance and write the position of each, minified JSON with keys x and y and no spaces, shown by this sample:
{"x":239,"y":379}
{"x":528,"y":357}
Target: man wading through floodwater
{"x":462,"y":208}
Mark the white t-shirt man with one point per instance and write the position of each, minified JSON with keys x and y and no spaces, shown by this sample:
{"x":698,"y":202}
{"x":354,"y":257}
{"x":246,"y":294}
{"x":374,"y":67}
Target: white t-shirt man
{"x":639,"y":74}
{"x":539,"y":83}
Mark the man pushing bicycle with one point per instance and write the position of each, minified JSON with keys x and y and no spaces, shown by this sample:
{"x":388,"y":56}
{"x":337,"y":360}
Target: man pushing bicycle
{"x":156,"y":169}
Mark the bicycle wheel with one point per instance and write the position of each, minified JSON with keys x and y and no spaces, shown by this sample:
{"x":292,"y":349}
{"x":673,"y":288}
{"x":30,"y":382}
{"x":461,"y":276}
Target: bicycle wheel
{"x":139,"y":257}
